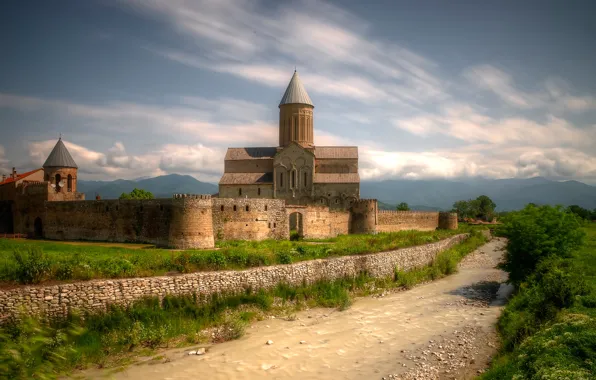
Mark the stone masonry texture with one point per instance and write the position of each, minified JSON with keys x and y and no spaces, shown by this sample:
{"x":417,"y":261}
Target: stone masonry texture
{"x":56,"y":301}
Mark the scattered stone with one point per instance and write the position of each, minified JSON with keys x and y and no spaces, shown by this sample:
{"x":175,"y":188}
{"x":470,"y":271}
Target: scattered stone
{"x":302,"y":342}
{"x":192,"y":352}
{"x":201,"y":351}
{"x":269,"y":342}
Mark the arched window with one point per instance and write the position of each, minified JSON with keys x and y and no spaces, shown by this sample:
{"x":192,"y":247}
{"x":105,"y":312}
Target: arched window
{"x":69,"y":183}
{"x":293,"y":179}
{"x":240,"y":192}
{"x":246,"y":208}
{"x":265,"y":207}
{"x":222,"y":207}
{"x":58,"y":178}
{"x":259,"y":191}
{"x":305,"y":180}
{"x":234,"y":207}
{"x":281,"y":179}
{"x":47,"y":177}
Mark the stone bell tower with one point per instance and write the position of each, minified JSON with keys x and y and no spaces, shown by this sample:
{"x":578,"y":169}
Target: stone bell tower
{"x":61,"y":170}
{"x":296,"y":115}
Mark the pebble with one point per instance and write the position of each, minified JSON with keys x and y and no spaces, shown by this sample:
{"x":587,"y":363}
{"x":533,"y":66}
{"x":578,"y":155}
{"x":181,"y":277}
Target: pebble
{"x":302,"y":342}
{"x":269,"y":342}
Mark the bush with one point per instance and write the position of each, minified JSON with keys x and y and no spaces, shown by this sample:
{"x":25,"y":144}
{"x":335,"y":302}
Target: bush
{"x":32,"y":266}
{"x":284,"y":257}
{"x":536,"y":233}
{"x":554,"y":286}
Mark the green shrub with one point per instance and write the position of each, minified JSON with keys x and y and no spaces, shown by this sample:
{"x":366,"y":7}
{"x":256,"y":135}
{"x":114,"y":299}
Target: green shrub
{"x":284,"y":257}
{"x":32,"y":266}
{"x":536,"y":233}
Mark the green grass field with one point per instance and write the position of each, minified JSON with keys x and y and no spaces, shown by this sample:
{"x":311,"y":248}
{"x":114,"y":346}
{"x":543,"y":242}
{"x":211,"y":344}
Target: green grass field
{"x":31,"y":261}
{"x":542,"y":341}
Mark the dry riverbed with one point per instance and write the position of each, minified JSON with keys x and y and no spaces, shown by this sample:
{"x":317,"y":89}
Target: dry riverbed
{"x":439,"y":330}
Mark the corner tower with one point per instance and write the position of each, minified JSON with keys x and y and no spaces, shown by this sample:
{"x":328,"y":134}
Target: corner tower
{"x":60,"y":169}
{"x":296,"y":115}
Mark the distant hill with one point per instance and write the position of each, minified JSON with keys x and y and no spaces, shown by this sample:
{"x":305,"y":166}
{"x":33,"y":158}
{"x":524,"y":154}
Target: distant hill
{"x":422,"y":195}
{"x":161,"y":187}
{"x":508,"y":194}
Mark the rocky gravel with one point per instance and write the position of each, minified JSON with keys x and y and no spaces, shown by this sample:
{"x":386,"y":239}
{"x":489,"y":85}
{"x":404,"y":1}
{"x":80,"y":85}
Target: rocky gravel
{"x":466,"y":352}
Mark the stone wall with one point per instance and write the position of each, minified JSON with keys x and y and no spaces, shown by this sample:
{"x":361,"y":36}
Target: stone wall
{"x":249,"y":219}
{"x":95,"y":296}
{"x":391,"y":221}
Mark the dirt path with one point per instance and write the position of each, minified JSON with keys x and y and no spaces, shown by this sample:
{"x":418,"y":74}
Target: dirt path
{"x":442,"y":329}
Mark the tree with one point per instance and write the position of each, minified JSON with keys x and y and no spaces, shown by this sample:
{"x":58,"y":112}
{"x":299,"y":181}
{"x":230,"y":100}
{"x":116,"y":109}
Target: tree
{"x":536,"y":234}
{"x":486,"y":208}
{"x":403,"y":206}
{"x":137,"y":194}
{"x":462,"y":208}
{"x":580,"y":211}
{"x":480,"y":208}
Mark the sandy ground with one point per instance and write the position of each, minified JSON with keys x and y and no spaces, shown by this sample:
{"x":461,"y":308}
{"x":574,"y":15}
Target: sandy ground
{"x":443,"y":329}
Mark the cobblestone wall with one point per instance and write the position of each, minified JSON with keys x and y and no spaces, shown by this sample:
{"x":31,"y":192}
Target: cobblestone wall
{"x":95,"y":296}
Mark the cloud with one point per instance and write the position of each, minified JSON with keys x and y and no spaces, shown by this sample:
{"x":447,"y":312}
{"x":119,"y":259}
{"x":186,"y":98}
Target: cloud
{"x":197,"y":119}
{"x":465,"y":123}
{"x":203,"y":162}
{"x":240,"y":38}
{"x":554,"y":94}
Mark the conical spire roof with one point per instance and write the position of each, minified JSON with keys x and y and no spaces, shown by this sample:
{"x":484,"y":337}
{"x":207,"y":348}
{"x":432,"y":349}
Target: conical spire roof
{"x":60,"y":157}
{"x":295,"y":93}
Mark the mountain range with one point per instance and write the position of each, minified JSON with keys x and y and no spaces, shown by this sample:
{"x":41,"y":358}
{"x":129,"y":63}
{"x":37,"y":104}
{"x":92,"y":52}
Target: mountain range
{"x":424,"y":195}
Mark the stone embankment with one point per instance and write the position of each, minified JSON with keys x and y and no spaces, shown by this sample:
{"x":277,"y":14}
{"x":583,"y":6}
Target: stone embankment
{"x":57,"y":301}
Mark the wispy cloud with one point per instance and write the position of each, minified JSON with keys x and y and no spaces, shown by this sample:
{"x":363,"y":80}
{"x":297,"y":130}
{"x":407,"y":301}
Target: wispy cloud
{"x":553,"y":93}
{"x":240,"y":37}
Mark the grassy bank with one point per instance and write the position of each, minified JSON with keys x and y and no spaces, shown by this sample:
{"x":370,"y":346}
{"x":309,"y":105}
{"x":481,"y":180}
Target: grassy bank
{"x":29,"y":261}
{"x":32,"y":348}
{"x":548,"y":328}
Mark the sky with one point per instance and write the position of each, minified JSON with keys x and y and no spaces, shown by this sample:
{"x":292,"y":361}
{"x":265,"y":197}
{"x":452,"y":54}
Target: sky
{"x":426,"y":89}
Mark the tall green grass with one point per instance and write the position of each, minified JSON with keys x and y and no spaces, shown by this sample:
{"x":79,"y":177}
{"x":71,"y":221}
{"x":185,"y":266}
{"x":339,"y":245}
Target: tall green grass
{"x":33,"y":349}
{"x":38,"y":261}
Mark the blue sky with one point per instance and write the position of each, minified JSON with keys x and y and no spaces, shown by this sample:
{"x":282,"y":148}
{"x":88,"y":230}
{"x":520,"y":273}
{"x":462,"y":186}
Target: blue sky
{"x":426,"y":89}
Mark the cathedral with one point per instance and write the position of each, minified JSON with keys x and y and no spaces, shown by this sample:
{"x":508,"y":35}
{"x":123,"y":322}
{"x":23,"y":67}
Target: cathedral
{"x":296,"y":171}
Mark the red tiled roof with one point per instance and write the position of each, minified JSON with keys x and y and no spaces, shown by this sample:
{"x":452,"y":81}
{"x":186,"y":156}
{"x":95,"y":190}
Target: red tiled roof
{"x":19,"y":177}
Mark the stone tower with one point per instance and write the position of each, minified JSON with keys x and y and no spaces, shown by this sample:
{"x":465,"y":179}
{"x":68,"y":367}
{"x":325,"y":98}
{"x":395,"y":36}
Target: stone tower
{"x":296,"y":115}
{"x":60,"y":169}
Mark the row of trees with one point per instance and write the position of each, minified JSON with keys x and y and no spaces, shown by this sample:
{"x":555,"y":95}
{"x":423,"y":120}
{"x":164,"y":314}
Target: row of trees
{"x":137,"y":194}
{"x":582,"y":212}
{"x":482,"y":208}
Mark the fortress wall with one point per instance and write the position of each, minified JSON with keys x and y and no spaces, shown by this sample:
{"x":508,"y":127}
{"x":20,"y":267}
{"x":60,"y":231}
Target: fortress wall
{"x":364,"y":216}
{"x":146,"y":221}
{"x":95,"y":296}
{"x":319,"y":222}
{"x":340,"y":222}
{"x":391,"y":221}
{"x":30,"y":199}
{"x":265,"y":219}
{"x":191,"y":222}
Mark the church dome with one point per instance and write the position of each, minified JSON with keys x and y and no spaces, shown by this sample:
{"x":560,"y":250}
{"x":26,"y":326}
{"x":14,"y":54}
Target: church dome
{"x":296,"y":93}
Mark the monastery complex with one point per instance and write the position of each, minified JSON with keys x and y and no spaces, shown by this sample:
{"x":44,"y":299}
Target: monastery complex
{"x":263,"y":193}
